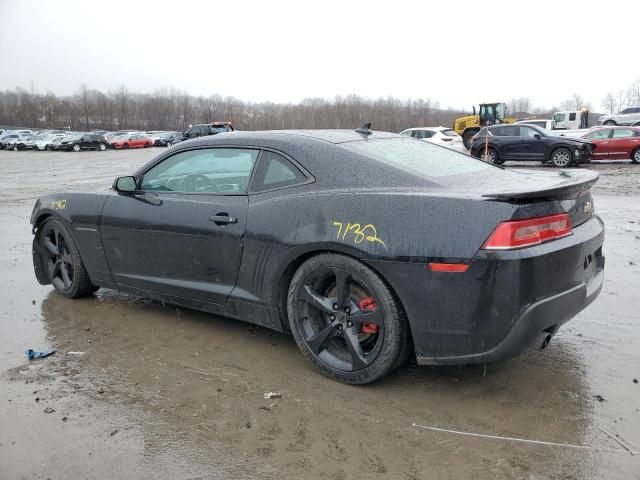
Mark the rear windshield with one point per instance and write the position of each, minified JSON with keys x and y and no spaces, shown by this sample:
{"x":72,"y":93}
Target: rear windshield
{"x":417,"y":157}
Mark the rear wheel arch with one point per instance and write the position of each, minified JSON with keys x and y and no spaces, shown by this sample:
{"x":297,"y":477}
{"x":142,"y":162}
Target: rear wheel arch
{"x":295,"y":263}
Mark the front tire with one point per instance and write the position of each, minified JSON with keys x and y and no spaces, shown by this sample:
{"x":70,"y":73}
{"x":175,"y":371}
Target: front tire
{"x":561,"y":158}
{"x":609,"y":123}
{"x":102,"y":147}
{"x":62,"y":262}
{"x":635,"y":156}
{"x":345,"y":319}
{"x":125,"y":146}
{"x":76,"y":147}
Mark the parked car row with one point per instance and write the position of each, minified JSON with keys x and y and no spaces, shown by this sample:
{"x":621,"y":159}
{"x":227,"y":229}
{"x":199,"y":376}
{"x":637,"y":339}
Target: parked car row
{"x":101,"y":140}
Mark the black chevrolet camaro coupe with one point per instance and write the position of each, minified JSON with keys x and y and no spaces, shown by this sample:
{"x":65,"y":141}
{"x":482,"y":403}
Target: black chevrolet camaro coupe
{"x":366,"y":246}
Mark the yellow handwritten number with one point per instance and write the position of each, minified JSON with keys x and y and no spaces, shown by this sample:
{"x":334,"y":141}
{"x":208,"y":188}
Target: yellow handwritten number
{"x":360,"y":233}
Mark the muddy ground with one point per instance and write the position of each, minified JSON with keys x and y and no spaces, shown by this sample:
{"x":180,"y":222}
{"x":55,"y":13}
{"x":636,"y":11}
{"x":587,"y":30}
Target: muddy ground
{"x":144,"y":390}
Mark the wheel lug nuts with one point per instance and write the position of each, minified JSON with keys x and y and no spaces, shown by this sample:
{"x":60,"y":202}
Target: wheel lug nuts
{"x":349,"y":324}
{"x":340,"y":328}
{"x":347,"y":310}
{"x":332,"y":317}
{"x":335,"y":306}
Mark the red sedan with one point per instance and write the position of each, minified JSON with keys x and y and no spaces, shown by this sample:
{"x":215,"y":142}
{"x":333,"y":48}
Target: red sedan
{"x":132,"y":141}
{"x":615,"y":143}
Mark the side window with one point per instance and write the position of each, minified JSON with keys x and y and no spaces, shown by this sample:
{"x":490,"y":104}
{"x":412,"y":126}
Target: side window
{"x":598,"y":135}
{"x":572,"y":116}
{"x":510,"y":131}
{"x":209,"y":170}
{"x":275,"y":171}
{"x":622,"y":133}
{"x":527,"y":132}
{"x":406,"y":133}
{"x":625,"y":111}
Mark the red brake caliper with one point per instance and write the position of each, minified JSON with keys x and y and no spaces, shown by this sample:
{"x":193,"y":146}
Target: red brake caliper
{"x":368,"y":303}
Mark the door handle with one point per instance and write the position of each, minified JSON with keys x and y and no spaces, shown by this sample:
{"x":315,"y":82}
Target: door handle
{"x":223,"y":219}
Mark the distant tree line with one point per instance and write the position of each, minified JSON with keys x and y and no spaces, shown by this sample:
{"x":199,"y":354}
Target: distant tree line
{"x":175,"y":110}
{"x":170,"y":109}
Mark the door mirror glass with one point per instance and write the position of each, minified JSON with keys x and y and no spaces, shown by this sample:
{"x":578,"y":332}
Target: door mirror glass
{"x":125,"y":184}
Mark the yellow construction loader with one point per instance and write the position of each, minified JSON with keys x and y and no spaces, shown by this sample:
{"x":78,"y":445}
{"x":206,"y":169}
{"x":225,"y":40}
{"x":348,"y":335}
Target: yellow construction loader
{"x":488,"y":114}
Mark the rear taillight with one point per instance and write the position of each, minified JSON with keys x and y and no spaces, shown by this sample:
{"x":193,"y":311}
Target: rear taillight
{"x":529,"y":232}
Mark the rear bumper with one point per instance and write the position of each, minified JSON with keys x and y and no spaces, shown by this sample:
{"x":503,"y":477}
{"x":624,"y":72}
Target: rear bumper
{"x":536,"y":326}
{"x":506,"y":302}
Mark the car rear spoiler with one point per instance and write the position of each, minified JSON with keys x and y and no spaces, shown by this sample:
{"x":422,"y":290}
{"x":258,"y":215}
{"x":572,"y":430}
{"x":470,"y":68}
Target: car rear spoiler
{"x":568,"y":184}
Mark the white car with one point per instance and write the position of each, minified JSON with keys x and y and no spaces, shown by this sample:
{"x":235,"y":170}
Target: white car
{"x":540,"y":122}
{"x":444,"y":136}
{"x":43,"y":142}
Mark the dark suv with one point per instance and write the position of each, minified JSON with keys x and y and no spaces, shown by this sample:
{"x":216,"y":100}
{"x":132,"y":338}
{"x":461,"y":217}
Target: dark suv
{"x":84,"y":141}
{"x":500,"y":143}
{"x":204,"y":129}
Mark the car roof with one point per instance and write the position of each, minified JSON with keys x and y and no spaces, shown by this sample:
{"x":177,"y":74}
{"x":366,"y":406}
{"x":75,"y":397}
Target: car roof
{"x":433,"y":129}
{"x":535,"y":120}
{"x":296,"y":136}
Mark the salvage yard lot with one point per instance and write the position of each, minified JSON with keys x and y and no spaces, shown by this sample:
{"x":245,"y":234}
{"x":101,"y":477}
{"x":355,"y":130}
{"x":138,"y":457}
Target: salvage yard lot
{"x":152,"y":390}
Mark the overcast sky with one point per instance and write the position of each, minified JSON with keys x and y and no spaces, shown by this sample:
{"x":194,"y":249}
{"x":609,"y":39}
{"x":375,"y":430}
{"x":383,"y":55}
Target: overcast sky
{"x":458,"y":53}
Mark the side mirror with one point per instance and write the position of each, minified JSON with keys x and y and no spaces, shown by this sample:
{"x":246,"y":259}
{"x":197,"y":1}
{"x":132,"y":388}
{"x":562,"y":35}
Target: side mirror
{"x":125,"y":184}
{"x":538,"y":136}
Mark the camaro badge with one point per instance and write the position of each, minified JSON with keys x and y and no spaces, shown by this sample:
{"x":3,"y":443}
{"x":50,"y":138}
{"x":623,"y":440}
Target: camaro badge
{"x":588,"y":208}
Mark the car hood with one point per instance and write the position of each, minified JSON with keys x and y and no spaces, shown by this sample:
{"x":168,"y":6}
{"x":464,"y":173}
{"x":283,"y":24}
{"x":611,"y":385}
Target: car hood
{"x":572,"y":139}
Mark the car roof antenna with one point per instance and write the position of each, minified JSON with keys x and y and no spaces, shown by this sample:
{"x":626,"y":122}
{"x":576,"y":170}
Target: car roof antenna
{"x":365,"y":129}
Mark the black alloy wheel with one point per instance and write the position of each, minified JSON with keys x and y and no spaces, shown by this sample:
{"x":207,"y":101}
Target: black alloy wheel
{"x":61,"y":260}
{"x":345,"y":319}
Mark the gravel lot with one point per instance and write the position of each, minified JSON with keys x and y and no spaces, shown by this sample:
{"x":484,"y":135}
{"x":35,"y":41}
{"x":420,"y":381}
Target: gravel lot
{"x":144,"y":390}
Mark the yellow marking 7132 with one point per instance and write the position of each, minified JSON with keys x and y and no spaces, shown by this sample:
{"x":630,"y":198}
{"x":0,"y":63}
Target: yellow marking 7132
{"x":360,"y":233}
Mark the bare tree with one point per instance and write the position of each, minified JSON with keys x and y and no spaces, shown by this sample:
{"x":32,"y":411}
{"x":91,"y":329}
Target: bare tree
{"x":609,"y":103}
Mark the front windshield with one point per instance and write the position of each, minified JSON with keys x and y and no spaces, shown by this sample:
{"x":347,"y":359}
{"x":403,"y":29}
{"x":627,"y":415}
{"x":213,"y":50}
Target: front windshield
{"x":501,"y":111}
{"x":417,"y":157}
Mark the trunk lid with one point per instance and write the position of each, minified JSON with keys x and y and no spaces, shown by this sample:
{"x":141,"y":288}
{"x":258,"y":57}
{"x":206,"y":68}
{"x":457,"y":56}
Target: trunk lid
{"x":570,"y":188}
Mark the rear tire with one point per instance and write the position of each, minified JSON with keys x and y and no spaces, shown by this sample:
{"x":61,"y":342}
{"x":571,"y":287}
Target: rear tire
{"x":76,"y":147}
{"x":345,"y":319}
{"x":610,"y":123}
{"x":635,"y":156}
{"x":125,"y":146}
{"x":561,"y":158}
{"x":490,"y":157}
{"x":102,"y":147}
{"x":62,"y":262}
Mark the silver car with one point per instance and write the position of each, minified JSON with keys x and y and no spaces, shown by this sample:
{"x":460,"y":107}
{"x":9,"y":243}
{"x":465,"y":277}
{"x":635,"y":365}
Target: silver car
{"x":628,"y":116}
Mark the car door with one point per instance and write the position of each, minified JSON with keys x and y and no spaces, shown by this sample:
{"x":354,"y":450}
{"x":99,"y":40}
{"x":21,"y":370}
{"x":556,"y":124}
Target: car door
{"x":532,"y":144}
{"x":623,"y":142}
{"x":181,"y":232}
{"x":509,"y":141}
{"x":634,"y":116}
{"x":601,"y":138}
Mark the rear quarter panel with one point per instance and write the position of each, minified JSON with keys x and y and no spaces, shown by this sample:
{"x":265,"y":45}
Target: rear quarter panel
{"x":371,"y":226}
